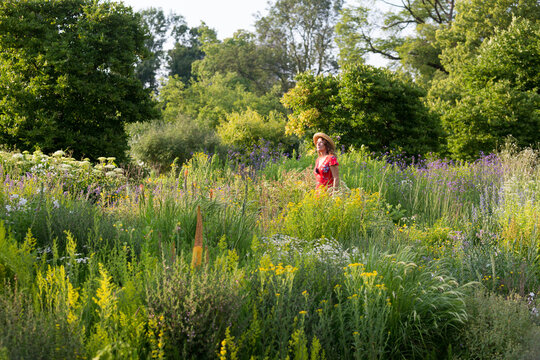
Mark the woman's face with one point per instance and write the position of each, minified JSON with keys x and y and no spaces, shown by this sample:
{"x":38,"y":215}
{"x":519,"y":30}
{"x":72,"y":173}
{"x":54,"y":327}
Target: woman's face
{"x":321,"y":145}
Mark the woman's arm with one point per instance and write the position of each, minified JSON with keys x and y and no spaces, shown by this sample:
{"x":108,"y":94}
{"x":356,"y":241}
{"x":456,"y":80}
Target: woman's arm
{"x":335,"y":174}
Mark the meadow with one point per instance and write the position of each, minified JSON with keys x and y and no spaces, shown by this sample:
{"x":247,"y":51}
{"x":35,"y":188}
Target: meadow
{"x":421,"y":258}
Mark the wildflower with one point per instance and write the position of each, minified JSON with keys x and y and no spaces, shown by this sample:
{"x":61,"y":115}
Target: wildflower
{"x":303,"y":312}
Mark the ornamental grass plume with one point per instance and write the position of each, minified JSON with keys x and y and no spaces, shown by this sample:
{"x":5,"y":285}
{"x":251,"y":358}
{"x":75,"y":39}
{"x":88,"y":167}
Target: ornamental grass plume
{"x":197,"y":247}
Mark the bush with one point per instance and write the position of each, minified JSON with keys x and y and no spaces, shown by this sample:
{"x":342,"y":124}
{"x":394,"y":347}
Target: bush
{"x":28,"y":334}
{"x":364,"y":106}
{"x":158,"y":144}
{"x":197,"y":306}
{"x":497,"y":328}
{"x":245,"y":129}
{"x":347,"y":218}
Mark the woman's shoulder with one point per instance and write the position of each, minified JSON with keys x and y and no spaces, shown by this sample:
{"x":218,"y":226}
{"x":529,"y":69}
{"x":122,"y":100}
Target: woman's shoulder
{"x":332,"y":159}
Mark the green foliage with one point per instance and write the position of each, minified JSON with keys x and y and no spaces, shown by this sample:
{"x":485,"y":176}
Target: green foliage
{"x":185,"y":52}
{"x":76,"y":176}
{"x":244,"y":130}
{"x":196,"y":306}
{"x":256,"y":66}
{"x":402,"y":32}
{"x":364,"y":106}
{"x":210,"y":100}
{"x":301,"y":32}
{"x":16,"y":260}
{"x":497,"y":328}
{"x":491,"y":91}
{"x":67,"y":77}
{"x":26,"y":333}
{"x":347,"y":218}
{"x":159,"y":28}
{"x":158,"y":144}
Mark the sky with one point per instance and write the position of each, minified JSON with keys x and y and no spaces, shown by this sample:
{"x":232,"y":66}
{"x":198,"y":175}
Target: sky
{"x":225,"y":16}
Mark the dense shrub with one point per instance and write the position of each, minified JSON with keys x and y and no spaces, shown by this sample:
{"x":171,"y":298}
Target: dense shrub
{"x":158,"y":144}
{"x":29,"y":334}
{"x":244,"y":129}
{"x":347,"y":218}
{"x":497,"y":328}
{"x":197,"y":306}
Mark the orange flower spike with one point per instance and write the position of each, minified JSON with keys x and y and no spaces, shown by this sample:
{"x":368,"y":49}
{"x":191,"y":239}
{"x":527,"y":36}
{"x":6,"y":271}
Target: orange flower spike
{"x":198,"y":246}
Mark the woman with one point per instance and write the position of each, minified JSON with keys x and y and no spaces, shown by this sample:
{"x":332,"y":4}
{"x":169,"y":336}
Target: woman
{"x":326,"y":166}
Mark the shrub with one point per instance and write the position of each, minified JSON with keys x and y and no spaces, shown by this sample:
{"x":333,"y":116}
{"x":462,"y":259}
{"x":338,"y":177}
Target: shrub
{"x":243,"y":130}
{"x":497,"y":328}
{"x":197,"y":306}
{"x":347,"y":217}
{"x":158,"y":144}
{"x":28,"y":334}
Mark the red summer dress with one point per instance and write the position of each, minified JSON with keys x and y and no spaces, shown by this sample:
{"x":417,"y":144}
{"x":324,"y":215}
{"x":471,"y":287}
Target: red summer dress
{"x":323,"y":174}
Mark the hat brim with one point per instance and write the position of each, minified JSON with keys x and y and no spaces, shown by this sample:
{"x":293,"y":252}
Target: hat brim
{"x":325,"y":137}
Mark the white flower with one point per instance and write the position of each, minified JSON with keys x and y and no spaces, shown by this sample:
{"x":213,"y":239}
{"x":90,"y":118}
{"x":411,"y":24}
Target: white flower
{"x":59,"y":153}
{"x":56,"y":204}
{"x":22,"y":202}
{"x":13,"y":196}
{"x":8,"y":208}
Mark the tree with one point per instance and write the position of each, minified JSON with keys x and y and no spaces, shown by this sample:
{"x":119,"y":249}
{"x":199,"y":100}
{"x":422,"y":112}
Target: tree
{"x":209,"y":100}
{"x":303,"y":32}
{"x":185,"y":52}
{"x":364,"y":106}
{"x":67,"y":76}
{"x":405,"y":33}
{"x":160,"y":28}
{"x":255,"y":64}
{"x":493,"y":89}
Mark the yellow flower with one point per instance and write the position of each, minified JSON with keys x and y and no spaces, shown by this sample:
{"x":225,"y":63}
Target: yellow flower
{"x":303,"y":312}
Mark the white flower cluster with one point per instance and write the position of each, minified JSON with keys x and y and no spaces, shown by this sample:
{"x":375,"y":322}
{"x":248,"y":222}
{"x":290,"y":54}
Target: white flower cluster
{"x":323,"y":249}
{"x":17,"y":203}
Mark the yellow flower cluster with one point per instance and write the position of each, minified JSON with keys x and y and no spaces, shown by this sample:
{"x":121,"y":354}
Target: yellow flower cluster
{"x":369,"y":274}
{"x":279,"y":269}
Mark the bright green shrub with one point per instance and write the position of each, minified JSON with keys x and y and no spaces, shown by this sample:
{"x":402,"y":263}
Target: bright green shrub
{"x":245,"y":129}
{"x":16,"y":260}
{"x":158,"y":144}
{"x":346,"y":217}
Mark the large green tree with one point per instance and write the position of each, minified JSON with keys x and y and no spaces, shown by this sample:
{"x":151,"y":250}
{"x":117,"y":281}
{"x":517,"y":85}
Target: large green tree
{"x":160,"y":27}
{"x":67,"y":75}
{"x":259,"y":66}
{"x":492,"y":90}
{"x":398,"y":30}
{"x":364,"y":106}
{"x":303,"y":31}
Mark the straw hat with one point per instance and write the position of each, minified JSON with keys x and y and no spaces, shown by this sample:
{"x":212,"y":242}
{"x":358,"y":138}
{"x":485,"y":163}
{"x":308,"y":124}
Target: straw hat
{"x":325,"y":137}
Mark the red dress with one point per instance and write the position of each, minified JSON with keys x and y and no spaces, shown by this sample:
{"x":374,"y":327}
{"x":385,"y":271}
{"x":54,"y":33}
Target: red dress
{"x":322,"y":171}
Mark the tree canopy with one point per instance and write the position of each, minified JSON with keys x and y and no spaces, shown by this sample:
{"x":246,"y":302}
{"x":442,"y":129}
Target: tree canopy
{"x":364,"y":106}
{"x":67,"y":76}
